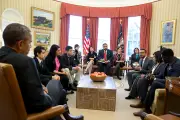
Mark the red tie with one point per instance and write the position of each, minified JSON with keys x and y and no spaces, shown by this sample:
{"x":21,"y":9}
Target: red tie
{"x":105,"y":55}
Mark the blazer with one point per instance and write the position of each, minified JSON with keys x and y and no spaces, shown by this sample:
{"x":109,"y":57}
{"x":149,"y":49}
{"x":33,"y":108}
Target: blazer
{"x":158,"y":69}
{"x":172,"y":70}
{"x":134,"y":59}
{"x":28,"y":78}
{"x":147,"y":66}
{"x":44,"y":73}
{"x":51,"y":65}
{"x":92,"y":55}
{"x":67,"y":62}
{"x":77,"y":57}
{"x":116,"y":58}
{"x":109,"y":55}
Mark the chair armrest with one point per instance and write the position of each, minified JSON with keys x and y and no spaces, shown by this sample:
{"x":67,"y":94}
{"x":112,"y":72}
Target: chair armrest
{"x":175,"y":114}
{"x":152,"y":117}
{"x":160,"y":92}
{"x":49,"y":113}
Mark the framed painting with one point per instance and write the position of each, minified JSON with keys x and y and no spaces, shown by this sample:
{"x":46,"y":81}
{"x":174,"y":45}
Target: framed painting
{"x":42,"y":19}
{"x":168,"y":29}
{"x":42,"y":38}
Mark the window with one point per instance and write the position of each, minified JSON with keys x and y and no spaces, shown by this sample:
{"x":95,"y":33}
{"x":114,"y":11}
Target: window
{"x":75,"y":31}
{"x":103,"y":32}
{"x":133,"y":38}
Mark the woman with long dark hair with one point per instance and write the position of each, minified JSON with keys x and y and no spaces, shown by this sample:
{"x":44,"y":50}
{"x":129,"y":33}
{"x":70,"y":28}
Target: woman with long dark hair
{"x":135,"y":57}
{"x":119,"y":61}
{"x":91,"y":59}
{"x":53,"y":64}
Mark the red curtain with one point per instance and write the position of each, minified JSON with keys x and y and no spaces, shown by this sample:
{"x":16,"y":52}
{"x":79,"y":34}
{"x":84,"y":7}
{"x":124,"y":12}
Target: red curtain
{"x":137,"y":10}
{"x":74,"y":10}
{"x":125,"y":33}
{"x":115,"y":29}
{"x":93,"y":28}
{"x":64,"y":33}
{"x":145,"y":34}
{"x":114,"y":32}
{"x":103,"y":12}
{"x":93,"y":32}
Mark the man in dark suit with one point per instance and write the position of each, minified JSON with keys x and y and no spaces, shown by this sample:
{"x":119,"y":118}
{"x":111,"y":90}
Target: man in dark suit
{"x":17,"y":39}
{"x":172,"y":69}
{"x":145,"y":66}
{"x":45,"y":76}
{"x":107,"y":56}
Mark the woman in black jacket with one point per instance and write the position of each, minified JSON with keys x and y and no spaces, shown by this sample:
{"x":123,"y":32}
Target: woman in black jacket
{"x":135,"y":57}
{"x":53,"y":64}
{"x":91,"y":59}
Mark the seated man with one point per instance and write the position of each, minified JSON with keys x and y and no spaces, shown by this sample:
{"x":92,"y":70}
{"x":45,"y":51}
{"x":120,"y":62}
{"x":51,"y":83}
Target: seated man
{"x":69,"y":66}
{"x":39,"y":55}
{"x":145,"y":66}
{"x":17,"y":39}
{"x":106,"y":57}
{"x":172,"y":69}
{"x":141,"y":83}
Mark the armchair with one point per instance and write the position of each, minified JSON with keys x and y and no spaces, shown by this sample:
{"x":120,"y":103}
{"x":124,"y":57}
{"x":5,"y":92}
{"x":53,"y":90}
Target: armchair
{"x":159,"y":102}
{"x":170,"y":116}
{"x":11,"y":102}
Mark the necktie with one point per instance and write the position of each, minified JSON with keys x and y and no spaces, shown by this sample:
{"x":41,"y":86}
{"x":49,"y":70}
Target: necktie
{"x":105,"y":55}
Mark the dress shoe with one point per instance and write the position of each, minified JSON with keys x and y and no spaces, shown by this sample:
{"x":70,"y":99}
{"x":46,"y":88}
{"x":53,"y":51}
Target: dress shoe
{"x":141,"y":112}
{"x":127,"y":89}
{"x":129,"y":97}
{"x":139,"y":105}
{"x":72,"y":87}
{"x":118,"y":77}
{"x":67,"y":116}
{"x":70,"y":92}
{"x":75,"y":83}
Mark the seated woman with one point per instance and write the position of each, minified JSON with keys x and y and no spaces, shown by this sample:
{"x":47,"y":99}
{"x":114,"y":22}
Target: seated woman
{"x":53,"y":64}
{"x":77,"y":55}
{"x":119,"y":61}
{"x":135,"y":57}
{"x":91,"y":59}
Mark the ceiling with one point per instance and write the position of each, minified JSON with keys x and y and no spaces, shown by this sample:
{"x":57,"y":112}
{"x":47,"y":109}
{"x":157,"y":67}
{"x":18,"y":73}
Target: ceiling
{"x":107,"y":3}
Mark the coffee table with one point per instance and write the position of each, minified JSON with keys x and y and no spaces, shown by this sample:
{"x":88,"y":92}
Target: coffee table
{"x":96,"y":95}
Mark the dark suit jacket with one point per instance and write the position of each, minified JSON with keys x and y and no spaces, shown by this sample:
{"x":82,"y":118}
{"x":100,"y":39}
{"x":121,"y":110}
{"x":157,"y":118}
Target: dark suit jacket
{"x":44,"y":74}
{"x":67,"y":62}
{"x":92,"y":55}
{"x":147,"y":66}
{"x":28,"y":78}
{"x":109,"y":55}
{"x":159,"y":68}
{"x":134,"y":59}
{"x":172,"y":70}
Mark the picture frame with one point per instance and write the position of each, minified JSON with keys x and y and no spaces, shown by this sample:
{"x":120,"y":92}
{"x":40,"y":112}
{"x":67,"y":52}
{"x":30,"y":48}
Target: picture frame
{"x":42,"y":38}
{"x":42,"y":19}
{"x":168,"y":30}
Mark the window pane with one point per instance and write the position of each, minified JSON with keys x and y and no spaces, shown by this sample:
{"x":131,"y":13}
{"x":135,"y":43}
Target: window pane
{"x":103,"y":32}
{"x":133,"y":35}
{"x":75,"y":31}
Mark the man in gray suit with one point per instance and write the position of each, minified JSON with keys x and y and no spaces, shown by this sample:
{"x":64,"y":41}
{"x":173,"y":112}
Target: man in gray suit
{"x":145,"y":66}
